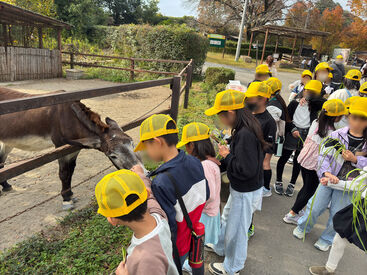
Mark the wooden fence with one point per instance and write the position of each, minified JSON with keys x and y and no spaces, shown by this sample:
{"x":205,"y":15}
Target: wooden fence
{"x":17,"y":63}
{"x":17,"y":105}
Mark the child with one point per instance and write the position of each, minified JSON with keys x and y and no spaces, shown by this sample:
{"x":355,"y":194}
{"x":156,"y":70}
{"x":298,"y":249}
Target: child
{"x":297,"y":87}
{"x":277,"y":107}
{"x":363,"y":90}
{"x":332,"y":112}
{"x":328,"y":87}
{"x":196,"y":139}
{"x":243,"y":162}
{"x":271,"y":65}
{"x":262,"y":73}
{"x":124,"y":200}
{"x":351,"y":86}
{"x":158,"y":136}
{"x":302,"y":113}
{"x":334,"y":166}
{"x":256,"y":99}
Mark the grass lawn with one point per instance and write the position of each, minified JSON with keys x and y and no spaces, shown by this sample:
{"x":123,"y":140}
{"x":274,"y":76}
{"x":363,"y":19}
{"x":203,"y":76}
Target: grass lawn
{"x":84,"y":242}
{"x":229,"y":60}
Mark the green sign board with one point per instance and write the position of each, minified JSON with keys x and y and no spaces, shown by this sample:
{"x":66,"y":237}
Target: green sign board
{"x":217,"y":40}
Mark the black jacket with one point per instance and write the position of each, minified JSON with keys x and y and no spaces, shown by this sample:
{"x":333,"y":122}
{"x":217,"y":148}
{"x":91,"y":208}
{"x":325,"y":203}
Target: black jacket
{"x":315,"y":105}
{"x":338,"y":73}
{"x":244,"y":163}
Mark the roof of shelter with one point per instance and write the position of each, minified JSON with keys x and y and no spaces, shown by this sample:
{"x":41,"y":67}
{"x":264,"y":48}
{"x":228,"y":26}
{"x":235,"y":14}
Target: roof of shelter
{"x":289,"y":31}
{"x":13,"y":15}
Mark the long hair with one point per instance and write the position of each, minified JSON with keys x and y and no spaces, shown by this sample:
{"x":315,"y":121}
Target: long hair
{"x":203,"y":149}
{"x":269,"y":60}
{"x":325,"y":123}
{"x":244,"y":118}
{"x":351,"y":84}
{"x":284,"y":106}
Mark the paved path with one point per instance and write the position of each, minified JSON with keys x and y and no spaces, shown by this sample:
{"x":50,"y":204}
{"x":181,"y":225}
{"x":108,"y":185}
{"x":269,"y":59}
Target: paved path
{"x":273,"y":250}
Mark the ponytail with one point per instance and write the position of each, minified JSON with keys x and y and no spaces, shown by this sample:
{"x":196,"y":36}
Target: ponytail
{"x":284,"y":106}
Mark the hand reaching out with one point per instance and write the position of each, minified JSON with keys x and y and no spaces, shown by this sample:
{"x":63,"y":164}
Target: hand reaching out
{"x":223,"y":150}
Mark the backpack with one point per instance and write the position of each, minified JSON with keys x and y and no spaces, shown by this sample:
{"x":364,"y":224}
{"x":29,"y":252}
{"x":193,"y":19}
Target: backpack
{"x":308,"y":157}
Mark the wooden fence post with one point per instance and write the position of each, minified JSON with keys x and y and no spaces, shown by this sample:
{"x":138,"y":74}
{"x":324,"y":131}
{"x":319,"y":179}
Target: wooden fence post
{"x":72,"y":60}
{"x":175,"y":100}
{"x":188,"y":85}
{"x":40,"y":38}
{"x":132,"y":67}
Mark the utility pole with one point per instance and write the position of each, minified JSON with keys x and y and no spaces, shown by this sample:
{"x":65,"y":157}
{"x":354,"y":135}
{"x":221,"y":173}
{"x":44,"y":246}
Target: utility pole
{"x":242,"y":26}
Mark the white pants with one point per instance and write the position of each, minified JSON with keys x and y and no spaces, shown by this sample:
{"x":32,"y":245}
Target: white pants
{"x":336,"y":252}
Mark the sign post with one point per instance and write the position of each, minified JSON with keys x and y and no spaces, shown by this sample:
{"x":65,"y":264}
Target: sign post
{"x":217,"y":41}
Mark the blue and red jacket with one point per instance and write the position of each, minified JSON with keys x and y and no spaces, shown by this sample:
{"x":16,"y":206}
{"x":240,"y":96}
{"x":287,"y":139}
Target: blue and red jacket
{"x":189,"y":175}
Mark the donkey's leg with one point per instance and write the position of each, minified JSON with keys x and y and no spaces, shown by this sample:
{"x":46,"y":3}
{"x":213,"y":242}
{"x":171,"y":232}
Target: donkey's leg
{"x":66,"y":170}
{"x":4,"y":152}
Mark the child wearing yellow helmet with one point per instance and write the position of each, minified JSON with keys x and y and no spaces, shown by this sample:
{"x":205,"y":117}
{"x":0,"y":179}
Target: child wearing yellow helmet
{"x":351,"y":86}
{"x":332,"y":112}
{"x":338,"y":72}
{"x":296,"y":87}
{"x":363,"y":90}
{"x":302,"y":112}
{"x":122,"y":198}
{"x":256,"y":100}
{"x":243,"y":162}
{"x":322,"y":71}
{"x":196,"y":139}
{"x":262,"y":73}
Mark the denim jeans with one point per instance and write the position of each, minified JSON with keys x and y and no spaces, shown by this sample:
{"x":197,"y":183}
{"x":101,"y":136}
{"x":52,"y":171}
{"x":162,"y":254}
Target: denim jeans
{"x":324,"y":196}
{"x":232,"y":242}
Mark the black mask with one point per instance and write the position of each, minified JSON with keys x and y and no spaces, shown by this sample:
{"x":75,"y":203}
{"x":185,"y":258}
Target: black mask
{"x":251,"y":106}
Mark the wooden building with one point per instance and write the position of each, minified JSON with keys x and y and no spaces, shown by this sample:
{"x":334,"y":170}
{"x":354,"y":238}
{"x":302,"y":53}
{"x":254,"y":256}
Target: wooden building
{"x":20,"y":58}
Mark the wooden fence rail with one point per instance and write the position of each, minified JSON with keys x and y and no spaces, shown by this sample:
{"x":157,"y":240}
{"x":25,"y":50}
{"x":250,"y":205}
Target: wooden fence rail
{"x":22,"y":104}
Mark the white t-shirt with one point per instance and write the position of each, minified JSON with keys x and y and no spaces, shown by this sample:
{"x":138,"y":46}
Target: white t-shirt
{"x":301,"y":117}
{"x":343,"y":94}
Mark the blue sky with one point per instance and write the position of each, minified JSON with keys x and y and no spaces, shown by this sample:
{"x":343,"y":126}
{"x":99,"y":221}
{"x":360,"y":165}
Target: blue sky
{"x":177,"y":7}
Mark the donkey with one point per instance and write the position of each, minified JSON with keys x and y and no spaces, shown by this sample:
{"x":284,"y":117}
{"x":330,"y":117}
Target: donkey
{"x":58,"y":125}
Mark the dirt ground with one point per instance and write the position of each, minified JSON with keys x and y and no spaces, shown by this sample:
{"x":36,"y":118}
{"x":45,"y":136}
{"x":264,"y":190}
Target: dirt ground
{"x":42,"y":183}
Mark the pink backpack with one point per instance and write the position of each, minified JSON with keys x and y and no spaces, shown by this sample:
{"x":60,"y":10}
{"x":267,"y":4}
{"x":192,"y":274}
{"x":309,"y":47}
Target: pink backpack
{"x":308,"y":157}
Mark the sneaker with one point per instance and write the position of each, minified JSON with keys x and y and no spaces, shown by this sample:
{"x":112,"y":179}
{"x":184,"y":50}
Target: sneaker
{"x":291,"y":219}
{"x":290,"y":160}
{"x":6,"y":186}
{"x":278,"y":187}
{"x":322,"y":245}
{"x":186,"y":267}
{"x":266,"y":192}
{"x":320,"y":270}
{"x":209,"y":247}
{"x":298,"y":233}
{"x":218,"y":269}
{"x":251,"y":231}
{"x":290,"y":190}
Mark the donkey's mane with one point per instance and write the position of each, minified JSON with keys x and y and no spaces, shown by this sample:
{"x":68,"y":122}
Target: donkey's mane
{"x":94,"y":117}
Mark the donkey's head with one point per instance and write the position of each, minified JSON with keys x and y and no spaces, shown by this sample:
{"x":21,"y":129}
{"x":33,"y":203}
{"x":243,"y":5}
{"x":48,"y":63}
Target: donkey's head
{"x":107,"y":137}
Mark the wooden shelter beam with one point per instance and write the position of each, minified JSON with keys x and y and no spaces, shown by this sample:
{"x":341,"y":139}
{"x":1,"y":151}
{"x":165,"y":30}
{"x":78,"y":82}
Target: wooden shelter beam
{"x":265,"y":40}
{"x":276,"y":44}
{"x":40,"y":38}
{"x":294,"y":45}
{"x":249,"y":46}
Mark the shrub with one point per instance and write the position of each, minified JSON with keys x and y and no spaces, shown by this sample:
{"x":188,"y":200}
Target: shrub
{"x":218,"y":75}
{"x":155,"y":42}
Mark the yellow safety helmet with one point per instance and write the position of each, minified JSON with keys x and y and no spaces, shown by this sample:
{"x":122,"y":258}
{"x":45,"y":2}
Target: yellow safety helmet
{"x":339,"y":57}
{"x":111,"y":193}
{"x":359,"y":107}
{"x":363,"y":89}
{"x":258,"y":89}
{"x":334,"y":107}
{"x":354,"y":75}
{"x":323,"y":65}
{"x":262,"y":69}
{"x":307,"y":73}
{"x":275,"y":84}
{"x":194,"y":132}
{"x":226,"y":101}
{"x":154,"y":126}
{"x":330,"y":75}
{"x":314,"y":86}
{"x":349,"y":101}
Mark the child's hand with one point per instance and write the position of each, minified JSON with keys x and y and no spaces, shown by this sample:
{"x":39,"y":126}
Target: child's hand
{"x":349,"y":156}
{"x":137,"y":169}
{"x":122,"y":269}
{"x":333,"y":179}
{"x":303,"y":101}
{"x":223,"y":150}
{"x":296,"y":134}
{"x":324,"y":181}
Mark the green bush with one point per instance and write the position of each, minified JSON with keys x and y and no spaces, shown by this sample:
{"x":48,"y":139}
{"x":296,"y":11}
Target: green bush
{"x":218,"y":75}
{"x":155,"y":42}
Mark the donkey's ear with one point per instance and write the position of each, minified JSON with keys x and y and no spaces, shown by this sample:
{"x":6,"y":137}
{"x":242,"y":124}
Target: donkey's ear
{"x":87,"y":143}
{"x":110,"y":122}
{"x":83,"y":117}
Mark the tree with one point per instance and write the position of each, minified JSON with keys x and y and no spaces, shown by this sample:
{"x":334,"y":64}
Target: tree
{"x":45,"y":7}
{"x":358,"y":7}
{"x":226,"y":14}
{"x":355,"y":35}
{"x":131,"y":11}
{"x":322,"y":5}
